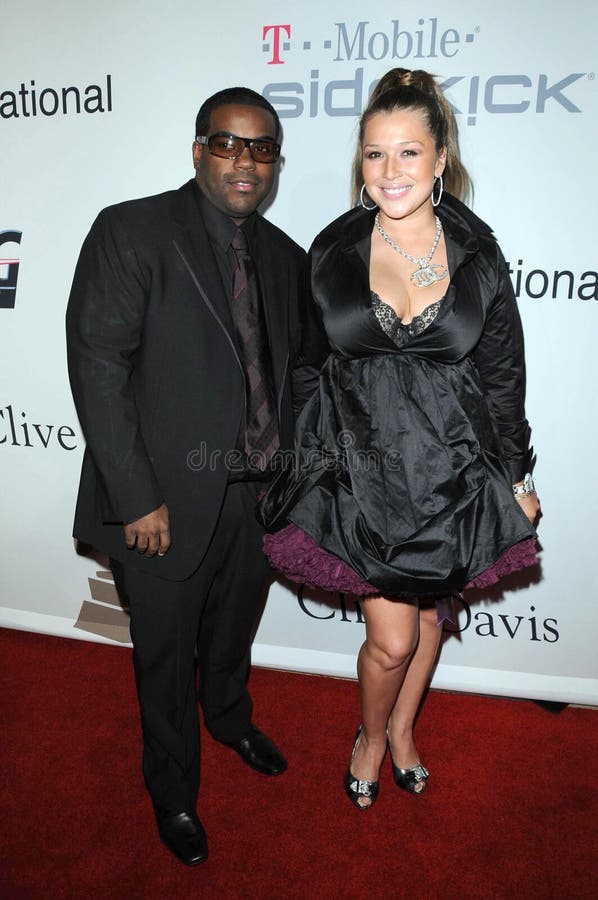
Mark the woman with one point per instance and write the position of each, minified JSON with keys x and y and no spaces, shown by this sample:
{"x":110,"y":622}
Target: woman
{"x":412,"y":474}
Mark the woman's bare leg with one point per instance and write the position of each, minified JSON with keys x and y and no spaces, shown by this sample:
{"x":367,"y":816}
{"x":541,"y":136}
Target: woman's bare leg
{"x":402,"y":717}
{"x":391,"y":637}
{"x":394,"y":667}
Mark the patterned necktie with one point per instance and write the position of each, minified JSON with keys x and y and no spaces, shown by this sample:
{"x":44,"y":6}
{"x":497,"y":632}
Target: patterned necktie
{"x":261,"y":436}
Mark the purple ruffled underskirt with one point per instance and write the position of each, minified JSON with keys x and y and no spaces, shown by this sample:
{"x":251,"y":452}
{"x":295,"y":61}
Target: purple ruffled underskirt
{"x":298,"y":557}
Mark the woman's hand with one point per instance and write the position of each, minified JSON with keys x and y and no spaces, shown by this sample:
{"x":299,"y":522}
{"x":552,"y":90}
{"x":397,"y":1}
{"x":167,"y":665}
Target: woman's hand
{"x":530,"y":505}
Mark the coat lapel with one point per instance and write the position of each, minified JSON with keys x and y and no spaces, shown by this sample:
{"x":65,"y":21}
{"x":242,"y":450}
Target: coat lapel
{"x":460,"y":225}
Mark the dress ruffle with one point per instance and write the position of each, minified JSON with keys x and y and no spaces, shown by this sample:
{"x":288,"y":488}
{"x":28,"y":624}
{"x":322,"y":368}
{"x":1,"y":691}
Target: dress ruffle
{"x":296,"y":555}
{"x":520,"y":556}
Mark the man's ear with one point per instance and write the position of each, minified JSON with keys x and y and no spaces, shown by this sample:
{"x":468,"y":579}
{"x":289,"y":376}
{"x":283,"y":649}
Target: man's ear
{"x":197,"y":150}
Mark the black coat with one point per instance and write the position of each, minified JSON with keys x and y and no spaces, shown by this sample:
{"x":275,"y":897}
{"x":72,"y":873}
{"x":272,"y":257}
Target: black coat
{"x":489,"y":327}
{"x":155,"y":373}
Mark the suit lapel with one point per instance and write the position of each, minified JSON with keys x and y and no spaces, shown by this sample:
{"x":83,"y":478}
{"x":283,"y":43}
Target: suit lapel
{"x":193,"y":246}
{"x":273,"y":274}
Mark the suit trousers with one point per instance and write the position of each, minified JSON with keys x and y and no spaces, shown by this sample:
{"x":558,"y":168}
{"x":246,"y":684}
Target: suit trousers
{"x":204,"y":624}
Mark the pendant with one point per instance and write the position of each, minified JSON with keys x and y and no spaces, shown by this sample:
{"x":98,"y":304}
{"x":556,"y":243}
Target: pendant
{"x":425,"y":275}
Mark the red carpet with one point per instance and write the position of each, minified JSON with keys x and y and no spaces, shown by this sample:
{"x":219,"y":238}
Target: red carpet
{"x":510,"y":810}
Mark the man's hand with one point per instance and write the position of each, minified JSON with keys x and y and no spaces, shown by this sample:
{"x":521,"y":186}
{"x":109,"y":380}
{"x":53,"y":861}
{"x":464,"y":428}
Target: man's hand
{"x":150,"y":534}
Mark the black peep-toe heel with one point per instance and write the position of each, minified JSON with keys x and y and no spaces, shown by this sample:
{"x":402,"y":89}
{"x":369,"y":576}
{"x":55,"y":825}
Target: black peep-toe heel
{"x":357,"y":790}
{"x":413,"y":779}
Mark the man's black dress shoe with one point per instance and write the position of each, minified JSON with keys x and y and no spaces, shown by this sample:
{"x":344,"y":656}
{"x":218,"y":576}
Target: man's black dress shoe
{"x":259,"y":752}
{"x":184,"y":836}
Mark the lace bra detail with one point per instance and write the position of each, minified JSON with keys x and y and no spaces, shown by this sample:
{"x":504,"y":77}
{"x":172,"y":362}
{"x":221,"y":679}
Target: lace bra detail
{"x":392,"y":325}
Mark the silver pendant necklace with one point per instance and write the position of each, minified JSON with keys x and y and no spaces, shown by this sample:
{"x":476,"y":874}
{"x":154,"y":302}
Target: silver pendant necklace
{"x":426,"y":273}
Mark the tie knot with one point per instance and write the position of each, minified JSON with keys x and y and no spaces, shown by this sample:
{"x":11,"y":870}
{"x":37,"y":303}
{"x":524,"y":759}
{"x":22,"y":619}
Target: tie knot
{"x":239,"y":242}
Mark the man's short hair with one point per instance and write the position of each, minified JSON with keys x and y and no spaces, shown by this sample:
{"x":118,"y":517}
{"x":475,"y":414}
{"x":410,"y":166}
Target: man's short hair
{"x":240,"y":96}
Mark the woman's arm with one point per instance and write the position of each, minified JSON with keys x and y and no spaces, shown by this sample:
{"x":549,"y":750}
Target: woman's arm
{"x":499,"y":357}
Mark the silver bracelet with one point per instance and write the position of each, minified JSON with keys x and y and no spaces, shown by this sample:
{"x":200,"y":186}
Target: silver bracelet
{"x":525,"y":488}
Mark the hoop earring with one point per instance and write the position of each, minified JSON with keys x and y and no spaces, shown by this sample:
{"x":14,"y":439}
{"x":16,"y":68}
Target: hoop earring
{"x":361,"y":199}
{"x":436,"y":201}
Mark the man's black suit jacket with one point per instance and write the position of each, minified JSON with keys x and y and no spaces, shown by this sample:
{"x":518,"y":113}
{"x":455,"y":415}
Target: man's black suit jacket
{"x":155,"y":373}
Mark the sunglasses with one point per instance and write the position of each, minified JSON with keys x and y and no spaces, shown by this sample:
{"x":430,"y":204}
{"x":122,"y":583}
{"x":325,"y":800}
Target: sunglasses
{"x":230,"y":146}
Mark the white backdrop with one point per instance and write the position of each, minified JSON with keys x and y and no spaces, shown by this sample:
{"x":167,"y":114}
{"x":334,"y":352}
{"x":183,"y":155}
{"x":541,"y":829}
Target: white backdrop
{"x":520,"y":76}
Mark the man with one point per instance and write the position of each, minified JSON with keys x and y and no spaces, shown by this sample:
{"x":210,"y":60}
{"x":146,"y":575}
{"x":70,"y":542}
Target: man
{"x":182,"y":329}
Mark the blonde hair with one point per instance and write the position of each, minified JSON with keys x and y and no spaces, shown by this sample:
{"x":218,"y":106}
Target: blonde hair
{"x":416,"y":89}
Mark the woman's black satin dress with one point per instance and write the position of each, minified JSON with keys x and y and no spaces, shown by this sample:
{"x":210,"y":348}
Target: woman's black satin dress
{"x":400,"y":465}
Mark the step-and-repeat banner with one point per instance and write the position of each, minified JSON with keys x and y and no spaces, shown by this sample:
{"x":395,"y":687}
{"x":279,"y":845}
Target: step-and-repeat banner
{"x":97,"y":105}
